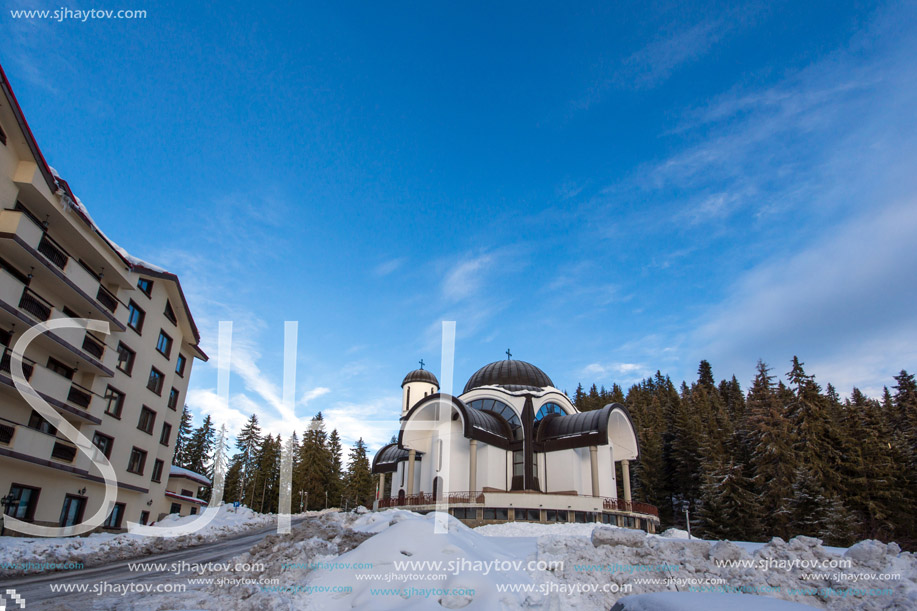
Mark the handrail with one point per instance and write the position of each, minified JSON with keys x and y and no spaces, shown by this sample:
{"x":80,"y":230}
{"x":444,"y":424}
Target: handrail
{"x":477,"y":498}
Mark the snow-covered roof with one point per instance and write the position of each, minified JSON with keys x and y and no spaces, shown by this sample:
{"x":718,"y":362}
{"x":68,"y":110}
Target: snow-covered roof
{"x":182,"y":497}
{"x":175,"y":471}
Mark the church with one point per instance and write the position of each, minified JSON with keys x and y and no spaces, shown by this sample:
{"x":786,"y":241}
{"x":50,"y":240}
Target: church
{"x":510,"y":447}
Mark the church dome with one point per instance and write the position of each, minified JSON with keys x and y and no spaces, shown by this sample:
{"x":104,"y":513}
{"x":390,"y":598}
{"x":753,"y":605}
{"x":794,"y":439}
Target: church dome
{"x":514,"y":375}
{"x":420,"y":375}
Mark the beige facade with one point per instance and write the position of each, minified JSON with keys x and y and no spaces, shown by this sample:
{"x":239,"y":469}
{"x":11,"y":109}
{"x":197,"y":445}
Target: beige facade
{"x":124,"y":391}
{"x":181,"y":495}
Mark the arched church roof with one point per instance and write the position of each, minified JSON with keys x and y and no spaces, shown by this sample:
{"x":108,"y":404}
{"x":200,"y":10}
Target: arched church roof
{"x":561,"y":432}
{"x":387,"y":458}
{"x":514,"y":375}
{"x":420,"y":375}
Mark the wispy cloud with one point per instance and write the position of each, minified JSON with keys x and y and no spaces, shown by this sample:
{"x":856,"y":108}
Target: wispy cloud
{"x":844,"y":304}
{"x":464,"y":280}
{"x":622,"y":373}
{"x":390,"y":266}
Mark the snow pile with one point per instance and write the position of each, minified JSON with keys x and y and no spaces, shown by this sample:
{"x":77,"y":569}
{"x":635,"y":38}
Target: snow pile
{"x":696,"y":601}
{"x":100,"y":548}
{"x":533,"y":529}
{"x":344,"y":573}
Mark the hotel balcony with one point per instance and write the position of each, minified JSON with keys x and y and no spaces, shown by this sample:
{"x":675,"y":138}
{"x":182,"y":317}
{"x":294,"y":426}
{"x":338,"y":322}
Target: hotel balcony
{"x":23,"y":307}
{"x":496,"y":506}
{"x":45,"y":449}
{"x":27,"y":246}
{"x":70,"y":399}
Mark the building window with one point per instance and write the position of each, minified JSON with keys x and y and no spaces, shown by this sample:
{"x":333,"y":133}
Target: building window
{"x":25,"y":499}
{"x":60,"y":369}
{"x":180,"y":365}
{"x":173,"y":399}
{"x":137,"y":461}
{"x":135,"y":317}
{"x":146,"y":286}
{"x":518,"y":463}
{"x":193,"y":511}
{"x":114,"y":402}
{"x":147,"y":418}
{"x":165,"y":434}
{"x":164,"y":344}
{"x":170,"y":314}
{"x":125,"y":358}
{"x":157,"y":471}
{"x":114,"y":518}
{"x":175,"y":508}
{"x":40,"y":424}
{"x":6,"y":433}
{"x":155,"y":381}
{"x":185,"y":492}
{"x":144,"y":517}
{"x":2,"y":137}
{"x":72,"y":511}
{"x":103,"y":442}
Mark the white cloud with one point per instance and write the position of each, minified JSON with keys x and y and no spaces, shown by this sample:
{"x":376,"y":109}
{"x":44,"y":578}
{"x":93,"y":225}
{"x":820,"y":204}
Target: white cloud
{"x":844,"y":304}
{"x":622,"y":373}
{"x":313,"y":393}
{"x":387,"y":267}
{"x":465,"y":279}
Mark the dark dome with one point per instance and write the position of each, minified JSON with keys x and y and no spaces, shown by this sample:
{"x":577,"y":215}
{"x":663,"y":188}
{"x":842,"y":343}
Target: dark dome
{"x":420,"y":375}
{"x":515,"y":375}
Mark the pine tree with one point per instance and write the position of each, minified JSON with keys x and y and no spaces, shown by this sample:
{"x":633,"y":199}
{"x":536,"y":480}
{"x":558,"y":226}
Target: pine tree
{"x":200,"y":447}
{"x":313,"y":477}
{"x":767,"y":437}
{"x":358,"y":482}
{"x":180,"y":457}
{"x":248,"y":444}
{"x":336,"y":483}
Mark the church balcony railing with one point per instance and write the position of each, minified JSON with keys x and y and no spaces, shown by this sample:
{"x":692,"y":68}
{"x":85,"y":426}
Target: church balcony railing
{"x":453,"y":498}
{"x":477,"y":498}
{"x":631,"y":506}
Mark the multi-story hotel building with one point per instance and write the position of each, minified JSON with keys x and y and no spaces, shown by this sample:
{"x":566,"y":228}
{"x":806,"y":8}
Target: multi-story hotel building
{"x":124,"y":390}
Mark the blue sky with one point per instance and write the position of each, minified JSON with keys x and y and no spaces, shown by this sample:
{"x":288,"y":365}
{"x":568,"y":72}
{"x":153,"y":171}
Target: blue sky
{"x":607,"y":190}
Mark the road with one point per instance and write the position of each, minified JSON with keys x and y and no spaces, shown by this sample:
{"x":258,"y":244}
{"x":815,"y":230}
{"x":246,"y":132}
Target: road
{"x":36,"y":590}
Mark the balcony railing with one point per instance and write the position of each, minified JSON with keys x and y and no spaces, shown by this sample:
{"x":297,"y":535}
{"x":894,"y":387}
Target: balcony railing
{"x":28,"y":365}
{"x":453,"y":498}
{"x":457,"y":498}
{"x":93,"y":346}
{"x":63,"y":451}
{"x":6,"y":433}
{"x":631,"y":506}
{"x":107,"y":299}
{"x":55,"y":253}
{"x":35,"y":305}
{"x":79,"y":397}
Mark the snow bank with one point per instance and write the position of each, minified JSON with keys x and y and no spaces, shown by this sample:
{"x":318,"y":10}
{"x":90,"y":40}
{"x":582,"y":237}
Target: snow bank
{"x":532,"y":529}
{"x":697,"y":601}
{"x":100,"y":548}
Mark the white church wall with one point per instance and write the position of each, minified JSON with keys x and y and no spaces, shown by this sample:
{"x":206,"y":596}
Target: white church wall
{"x":491,"y":467}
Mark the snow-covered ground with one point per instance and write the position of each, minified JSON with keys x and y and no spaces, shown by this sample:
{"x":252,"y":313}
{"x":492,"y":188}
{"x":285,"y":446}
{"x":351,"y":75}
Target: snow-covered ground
{"x":23,"y":555}
{"x":395,"y":560}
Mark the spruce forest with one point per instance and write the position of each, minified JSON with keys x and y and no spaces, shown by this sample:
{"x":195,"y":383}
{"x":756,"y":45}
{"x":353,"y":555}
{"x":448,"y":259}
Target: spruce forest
{"x":784,"y":458}
{"x":253,"y":473}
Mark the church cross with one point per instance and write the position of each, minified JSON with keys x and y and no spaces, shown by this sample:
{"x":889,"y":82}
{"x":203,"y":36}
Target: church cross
{"x":509,"y":354}
{"x":421,"y":363}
